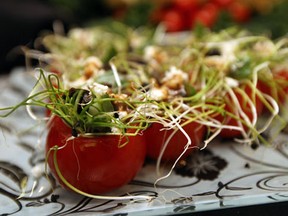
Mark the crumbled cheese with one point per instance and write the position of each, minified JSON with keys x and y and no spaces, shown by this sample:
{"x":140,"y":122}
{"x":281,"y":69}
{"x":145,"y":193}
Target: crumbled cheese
{"x":122,"y":114}
{"x":153,"y":53}
{"x":175,"y":72}
{"x":83,"y":36}
{"x":93,"y":60}
{"x":157,"y":94}
{"x":99,"y":89}
{"x":91,"y":69}
{"x":231,"y":82}
{"x":228,"y":49}
{"x":264,"y":48}
{"x":81,"y":82}
{"x":174,"y":79}
{"x":149,"y":52}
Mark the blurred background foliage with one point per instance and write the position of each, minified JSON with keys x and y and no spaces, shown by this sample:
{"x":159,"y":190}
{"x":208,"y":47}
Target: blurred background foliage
{"x":178,"y":15}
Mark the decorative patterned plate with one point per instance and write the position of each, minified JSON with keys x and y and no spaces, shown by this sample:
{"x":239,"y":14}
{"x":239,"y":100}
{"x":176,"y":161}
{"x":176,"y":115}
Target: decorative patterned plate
{"x":223,"y":175}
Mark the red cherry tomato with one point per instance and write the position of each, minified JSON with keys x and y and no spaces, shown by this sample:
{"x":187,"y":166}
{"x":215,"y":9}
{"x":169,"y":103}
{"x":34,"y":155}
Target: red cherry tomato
{"x":278,"y":87}
{"x":155,"y":138}
{"x":206,"y":16}
{"x":186,"y":5}
{"x":173,"y":20}
{"x":281,"y":78}
{"x":222,"y":3}
{"x":256,"y":100}
{"x":232,"y":107}
{"x":97,"y":164}
{"x":187,"y":9}
{"x":239,"y":12}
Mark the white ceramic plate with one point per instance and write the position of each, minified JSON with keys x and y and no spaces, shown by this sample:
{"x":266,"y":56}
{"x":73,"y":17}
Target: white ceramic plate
{"x":224,"y":175}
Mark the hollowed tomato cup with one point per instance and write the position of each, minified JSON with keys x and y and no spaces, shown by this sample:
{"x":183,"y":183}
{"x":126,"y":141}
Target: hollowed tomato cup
{"x":94,"y":165}
{"x":232,"y":107}
{"x":156,"y":137}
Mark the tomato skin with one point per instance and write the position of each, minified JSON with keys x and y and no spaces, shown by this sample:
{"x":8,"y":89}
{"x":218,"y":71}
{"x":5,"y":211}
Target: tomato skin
{"x":227,"y":120}
{"x":186,"y":5}
{"x":206,"y":16}
{"x":222,"y":3}
{"x":231,"y":107}
{"x":94,"y":165}
{"x":239,"y":12}
{"x":257,"y":102}
{"x":155,"y":138}
{"x":173,"y":20}
{"x":279,"y":89}
{"x":281,"y":78}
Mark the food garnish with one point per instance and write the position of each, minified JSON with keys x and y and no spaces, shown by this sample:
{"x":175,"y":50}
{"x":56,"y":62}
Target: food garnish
{"x":125,"y":86}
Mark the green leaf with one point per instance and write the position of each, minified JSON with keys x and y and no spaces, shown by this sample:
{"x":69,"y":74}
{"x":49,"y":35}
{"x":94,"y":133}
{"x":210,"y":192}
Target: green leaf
{"x":241,"y":69}
{"x":190,"y":90}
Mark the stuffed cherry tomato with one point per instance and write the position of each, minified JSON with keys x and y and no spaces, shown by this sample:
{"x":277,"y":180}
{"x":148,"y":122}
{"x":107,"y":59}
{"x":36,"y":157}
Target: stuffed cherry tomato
{"x":277,"y":87}
{"x":156,"y":138}
{"x":93,"y":164}
{"x":246,"y":99}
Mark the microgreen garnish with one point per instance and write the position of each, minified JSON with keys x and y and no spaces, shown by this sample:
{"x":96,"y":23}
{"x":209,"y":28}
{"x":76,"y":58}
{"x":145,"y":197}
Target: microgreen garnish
{"x":103,"y":86}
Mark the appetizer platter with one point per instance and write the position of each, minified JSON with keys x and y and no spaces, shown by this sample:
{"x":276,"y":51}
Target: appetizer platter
{"x":116,"y":120}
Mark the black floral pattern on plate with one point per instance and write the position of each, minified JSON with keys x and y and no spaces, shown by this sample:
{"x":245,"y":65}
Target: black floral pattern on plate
{"x":203,"y":165}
